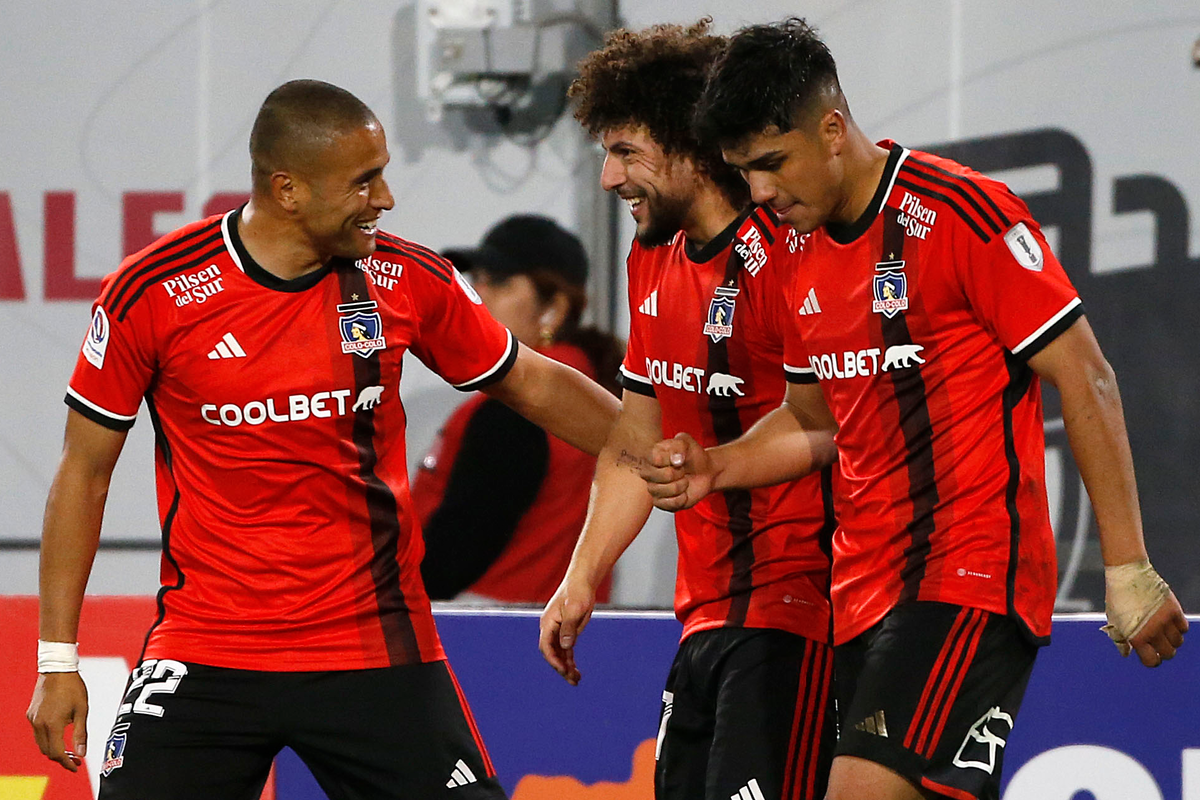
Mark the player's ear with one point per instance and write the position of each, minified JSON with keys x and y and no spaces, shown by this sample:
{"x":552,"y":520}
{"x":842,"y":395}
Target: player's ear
{"x":833,"y":129}
{"x":554,"y":312}
{"x":286,"y":190}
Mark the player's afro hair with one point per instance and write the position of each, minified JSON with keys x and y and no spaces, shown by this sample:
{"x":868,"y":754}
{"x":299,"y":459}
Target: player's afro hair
{"x":768,"y":75}
{"x":653,"y":78}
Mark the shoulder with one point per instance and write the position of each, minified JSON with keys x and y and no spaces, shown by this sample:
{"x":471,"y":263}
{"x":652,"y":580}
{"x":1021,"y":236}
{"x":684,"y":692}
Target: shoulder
{"x":767,"y":245}
{"x":191,"y":247}
{"x":930,"y":186}
{"x":394,"y":254}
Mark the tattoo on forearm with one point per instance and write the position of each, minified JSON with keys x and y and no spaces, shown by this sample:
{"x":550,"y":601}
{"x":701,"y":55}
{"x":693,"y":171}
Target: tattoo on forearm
{"x":631,"y":461}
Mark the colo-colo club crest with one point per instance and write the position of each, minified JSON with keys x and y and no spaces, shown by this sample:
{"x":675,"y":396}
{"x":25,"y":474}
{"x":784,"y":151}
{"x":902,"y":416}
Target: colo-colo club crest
{"x":361,"y":328}
{"x":720,"y":314}
{"x":890,"y":288}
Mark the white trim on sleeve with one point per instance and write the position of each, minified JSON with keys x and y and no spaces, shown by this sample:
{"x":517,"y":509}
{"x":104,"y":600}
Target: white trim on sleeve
{"x":504,"y":358}
{"x":633,"y":376}
{"x":99,"y":409}
{"x":1033,"y":337}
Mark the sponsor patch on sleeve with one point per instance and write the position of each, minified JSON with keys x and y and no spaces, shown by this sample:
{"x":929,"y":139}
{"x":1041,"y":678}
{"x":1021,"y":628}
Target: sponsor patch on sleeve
{"x":1024,"y":247}
{"x":96,"y":342}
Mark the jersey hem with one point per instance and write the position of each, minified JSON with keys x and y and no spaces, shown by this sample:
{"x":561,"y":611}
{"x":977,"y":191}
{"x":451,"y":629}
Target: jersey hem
{"x":1050,"y":330}
{"x":253,"y":663}
{"x":95,"y":413}
{"x":843,"y":636}
{"x":498,"y":370}
{"x":708,"y":624}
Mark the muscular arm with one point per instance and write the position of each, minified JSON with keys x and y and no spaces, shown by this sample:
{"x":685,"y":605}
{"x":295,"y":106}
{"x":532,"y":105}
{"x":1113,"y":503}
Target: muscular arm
{"x":1095,"y":425}
{"x":70,"y":533}
{"x":617,"y":510}
{"x":788,"y":443}
{"x":558,"y":398}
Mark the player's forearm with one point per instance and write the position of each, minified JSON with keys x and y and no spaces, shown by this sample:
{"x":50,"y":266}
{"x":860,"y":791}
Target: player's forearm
{"x":560,"y":399}
{"x":617,"y":509}
{"x":1095,"y":425}
{"x":776,"y":450}
{"x":70,"y":534}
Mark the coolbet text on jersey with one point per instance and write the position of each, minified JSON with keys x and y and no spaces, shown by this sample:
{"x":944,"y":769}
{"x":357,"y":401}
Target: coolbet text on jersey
{"x":918,"y":321}
{"x":289,"y":541}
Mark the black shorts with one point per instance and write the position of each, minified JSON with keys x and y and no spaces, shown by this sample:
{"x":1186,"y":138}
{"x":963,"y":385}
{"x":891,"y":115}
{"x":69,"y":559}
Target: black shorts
{"x":747,"y":714}
{"x":189,"y":731}
{"x":932,"y":692}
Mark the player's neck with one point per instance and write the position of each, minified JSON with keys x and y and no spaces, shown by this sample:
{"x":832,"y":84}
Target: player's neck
{"x":275,"y":244}
{"x":864,"y":164}
{"x":709,"y":215}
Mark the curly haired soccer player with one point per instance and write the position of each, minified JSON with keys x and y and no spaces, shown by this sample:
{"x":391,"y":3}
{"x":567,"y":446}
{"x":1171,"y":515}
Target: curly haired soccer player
{"x":941,"y":309}
{"x":268,"y":344}
{"x":747,"y":710}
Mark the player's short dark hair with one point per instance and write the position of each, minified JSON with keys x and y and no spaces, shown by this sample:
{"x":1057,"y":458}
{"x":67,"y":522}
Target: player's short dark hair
{"x":653,"y":78}
{"x":298,"y":119}
{"x":768,"y":75}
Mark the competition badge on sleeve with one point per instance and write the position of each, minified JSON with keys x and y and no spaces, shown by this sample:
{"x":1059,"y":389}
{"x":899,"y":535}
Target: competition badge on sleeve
{"x":361,"y":328}
{"x":890,"y":288}
{"x":96,"y":342}
{"x":720,"y":314}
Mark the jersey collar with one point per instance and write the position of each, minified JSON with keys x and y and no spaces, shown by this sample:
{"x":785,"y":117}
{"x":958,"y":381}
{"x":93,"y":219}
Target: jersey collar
{"x":699,"y":255}
{"x":254,"y":271}
{"x":845,"y":234}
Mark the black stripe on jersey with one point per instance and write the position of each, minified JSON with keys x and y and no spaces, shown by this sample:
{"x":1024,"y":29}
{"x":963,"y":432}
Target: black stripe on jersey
{"x":829,"y":526}
{"x":727,"y":425}
{"x":95,"y":416}
{"x":958,"y":186}
{"x":435,"y":258}
{"x":399,"y":637}
{"x":1050,"y":334}
{"x":143,"y":271}
{"x":634,"y":385}
{"x":498,"y":374}
{"x":192,"y":263}
{"x":952,"y":204}
{"x":809,"y":377}
{"x":763,"y":228}
{"x":164,"y":446}
{"x":916,"y":426}
{"x":425,"y":261}
{"x":1020,"y":380}
{"x":970,"y":182}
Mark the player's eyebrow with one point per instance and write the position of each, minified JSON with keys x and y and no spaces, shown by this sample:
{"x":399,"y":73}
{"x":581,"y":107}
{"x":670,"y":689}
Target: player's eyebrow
{"x":369,"y":175}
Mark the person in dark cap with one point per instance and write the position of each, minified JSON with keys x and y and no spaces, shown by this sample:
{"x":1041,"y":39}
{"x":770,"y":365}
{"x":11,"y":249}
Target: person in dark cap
{"x":501,"y":501}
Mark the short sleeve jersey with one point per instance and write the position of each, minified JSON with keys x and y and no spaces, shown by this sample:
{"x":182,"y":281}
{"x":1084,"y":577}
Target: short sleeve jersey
{"x":918,"y":321}
{"x":706,"y":339}
{"x":289,"y":541}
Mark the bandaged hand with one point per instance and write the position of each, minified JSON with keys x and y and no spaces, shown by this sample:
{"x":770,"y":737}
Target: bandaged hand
{"x":1134,"y":594}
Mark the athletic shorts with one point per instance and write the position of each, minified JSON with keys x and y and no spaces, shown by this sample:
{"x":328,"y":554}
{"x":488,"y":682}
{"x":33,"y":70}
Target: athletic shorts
{"x":932,"y":692}
{"x":747,"y":715}
{"x":193,"y":732}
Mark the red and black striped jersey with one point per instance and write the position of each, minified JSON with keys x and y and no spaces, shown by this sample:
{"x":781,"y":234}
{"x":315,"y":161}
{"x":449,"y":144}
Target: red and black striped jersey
{"x":918,"y":320}
{"x":706,"y":339}
{"x":289,"y":541}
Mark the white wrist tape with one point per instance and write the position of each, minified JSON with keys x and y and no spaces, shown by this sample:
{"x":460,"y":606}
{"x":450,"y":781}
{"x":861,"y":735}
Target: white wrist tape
{"x":58,"y":657}
{"x":1133,"y":592}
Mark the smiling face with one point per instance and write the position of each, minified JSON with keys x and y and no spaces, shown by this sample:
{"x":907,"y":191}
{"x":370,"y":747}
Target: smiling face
{"x":341,"y":193}
{"x":658,"y":188}
{"x":798,"y":173}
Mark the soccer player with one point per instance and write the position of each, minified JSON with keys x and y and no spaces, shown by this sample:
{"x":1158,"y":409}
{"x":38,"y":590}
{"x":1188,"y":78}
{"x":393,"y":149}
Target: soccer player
{"x":926,"y":309}
{"x":267,"y":343}
{"x":747,"y":711}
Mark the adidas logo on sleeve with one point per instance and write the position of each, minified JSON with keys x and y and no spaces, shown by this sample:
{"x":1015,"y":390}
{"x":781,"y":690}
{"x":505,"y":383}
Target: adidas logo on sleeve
{"x":461,"y":776}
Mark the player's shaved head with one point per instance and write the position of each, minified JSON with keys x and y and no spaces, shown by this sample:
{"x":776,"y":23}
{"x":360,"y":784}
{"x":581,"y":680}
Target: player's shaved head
{"x":295,"y":124}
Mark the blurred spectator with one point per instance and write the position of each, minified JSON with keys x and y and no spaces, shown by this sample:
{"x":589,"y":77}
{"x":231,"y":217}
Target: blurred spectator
{"x":501,"y":501}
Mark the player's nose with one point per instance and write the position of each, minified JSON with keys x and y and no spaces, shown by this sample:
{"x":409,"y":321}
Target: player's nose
{"x":612,"y":174}
{"x":762,"y":189}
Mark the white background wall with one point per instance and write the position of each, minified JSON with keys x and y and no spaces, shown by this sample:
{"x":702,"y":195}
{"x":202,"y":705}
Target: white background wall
{"x":111,"y":96}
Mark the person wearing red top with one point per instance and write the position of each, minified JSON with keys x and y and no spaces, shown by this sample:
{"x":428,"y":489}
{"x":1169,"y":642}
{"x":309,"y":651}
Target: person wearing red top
{"x":925,"y":307}
{"x":267,"y":344}
{"x":747,"y":711}
{"x":502,"y":502}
